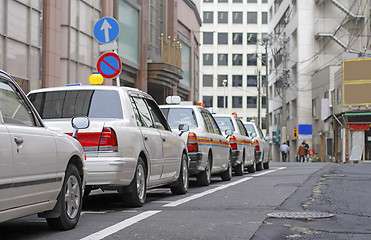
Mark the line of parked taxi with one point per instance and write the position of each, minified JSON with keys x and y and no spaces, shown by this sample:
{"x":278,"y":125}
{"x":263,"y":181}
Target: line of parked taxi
{"x":125,"y":142}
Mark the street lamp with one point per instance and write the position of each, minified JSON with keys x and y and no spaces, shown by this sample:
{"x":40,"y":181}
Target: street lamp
{"x":225,"y":81}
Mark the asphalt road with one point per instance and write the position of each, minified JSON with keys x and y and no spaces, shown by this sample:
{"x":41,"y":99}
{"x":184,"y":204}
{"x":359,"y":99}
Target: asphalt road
{"x":229,"y":210}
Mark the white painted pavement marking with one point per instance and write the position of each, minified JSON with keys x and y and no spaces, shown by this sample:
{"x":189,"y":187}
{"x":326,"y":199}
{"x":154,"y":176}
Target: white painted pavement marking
{"x":266,"y":172}
{"x":119,"y":226}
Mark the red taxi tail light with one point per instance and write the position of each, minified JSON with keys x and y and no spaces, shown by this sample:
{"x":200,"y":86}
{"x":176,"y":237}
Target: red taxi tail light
{"x":108,"y":137}
{"x":192,"y":142}
{"x":233,"y":142}
{"x":257,"y":147}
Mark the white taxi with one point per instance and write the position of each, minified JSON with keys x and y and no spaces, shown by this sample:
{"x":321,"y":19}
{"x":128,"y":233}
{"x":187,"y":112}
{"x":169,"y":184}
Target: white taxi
{"x":129,"y":144}
{"x":208,"y":149}
{"x":41,"y":171}
{"x":244,"y":142}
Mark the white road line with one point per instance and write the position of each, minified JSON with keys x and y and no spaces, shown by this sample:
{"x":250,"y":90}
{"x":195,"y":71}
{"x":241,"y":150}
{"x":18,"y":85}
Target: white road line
{"x":119,"y":226}
{"x":266,"y":172}
{"x":199,"y":195}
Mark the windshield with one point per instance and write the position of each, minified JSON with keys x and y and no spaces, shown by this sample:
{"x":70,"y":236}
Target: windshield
{"x":177,"y":116}
{"x":224,"y":123}
{"x":67,"y":104}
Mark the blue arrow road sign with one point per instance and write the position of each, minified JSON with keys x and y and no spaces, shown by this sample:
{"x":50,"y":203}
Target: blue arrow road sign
{"x":106,"y":30}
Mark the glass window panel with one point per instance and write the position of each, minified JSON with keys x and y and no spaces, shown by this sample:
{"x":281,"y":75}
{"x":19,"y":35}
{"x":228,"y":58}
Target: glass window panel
{"x":252,"y":38}
{"x":264,"y":17}
{"x":64,"y":42}
{"x":207,"y":59}
{"x":237,"y":80}
{"x":35,"y":29}
{"x":264,"y":1}
{"x":264,"y":102}
{"x":85,"y":54}
{"x":237,"y":1}
{"x":222,"y":59}
{"x":237,"y":17}
{"x":222,"y":38}
{"x":73,"y":72}
{"x":252,"y":17}
{"x":208,"y":101}
{"x":208,"y":1}
{"x":252,"y":80}
{"x":208,"y":37}
{"x":208,"y":17}
{"x":35,"y":68}
{"x":252,"y":1}
{"x":251,"y":60}
{"x":186,"y":65}
{"x":223,"y":1}
{"x":73,"y":44}
{"x":220,"y":102}
{"x":237,"y":38}
{"x":236,"y":102}
{"x":64,"y":14}
{"x":207,"y":80}
{"x":222,"y":80}
{"x":86,"y":18}
{"x":129,"y":32}
{"x":177,"y":116}
{"x":73,"y":11}
{"x":237,"y":59}
{"x":222,"y":17}
{"x":251,"y":102}
{"x":17,"y":21}
{"x":17,"y":59}
{"x":64,"y":72}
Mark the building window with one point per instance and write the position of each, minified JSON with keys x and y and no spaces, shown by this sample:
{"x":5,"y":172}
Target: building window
{"x":264,"y":102}
{"x":208,"y":1}
{"x":220,"y":102}
{"x":237,"y":80}
{"x":236,"y":102}
{"x":264,"y":123}
{"x":208,"y":17}
{"x":221,"y":79}
{"x":237,"y":1}
{"x":208,"y":101}
{"x":252,"y":80}
{"x":264,"y":80}
{"x":264,"y":18}
{"x":251,"y":60}
{"x":222,"y":17}
{"x":252,"y":1}
{"x":222,"y":59}
{"x":207,"y":80}
{"x":222,"y":38}
{"x":237,"y":59}
{"x":237,"y":17}
{"x":264,"y":59}
{"x":252,"y":38}
{"x":207,"y":59}
{"x":251,"y":102}
{"x":252,"y":17}
{"x":237,"y":38}
{"x":208,"y":38}
{"x":223,"y":1}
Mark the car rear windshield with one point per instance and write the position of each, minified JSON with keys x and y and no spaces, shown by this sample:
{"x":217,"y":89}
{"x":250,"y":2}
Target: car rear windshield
{"x":177,"y":116}
{"x":250,"y":128}
{"x":224,"y":123}
{"x":67,"y":104}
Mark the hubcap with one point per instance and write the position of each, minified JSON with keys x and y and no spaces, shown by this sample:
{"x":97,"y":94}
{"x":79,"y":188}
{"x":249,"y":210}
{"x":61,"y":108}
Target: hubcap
{"x":140,"y":181}
{"x":72,"y":197}
{"x":185,"y":174}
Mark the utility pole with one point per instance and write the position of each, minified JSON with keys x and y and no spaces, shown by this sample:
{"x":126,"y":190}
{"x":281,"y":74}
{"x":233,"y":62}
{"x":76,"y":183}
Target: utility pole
{"x":266,"y":39}
{"x":259,"y":98}
{"x":284,"y":86}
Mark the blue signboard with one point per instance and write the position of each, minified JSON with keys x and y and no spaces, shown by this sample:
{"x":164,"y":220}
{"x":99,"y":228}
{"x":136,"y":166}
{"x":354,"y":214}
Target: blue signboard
{"x":305,"y":129}
{"x":106,"y":30}
{"x":109,"y":65}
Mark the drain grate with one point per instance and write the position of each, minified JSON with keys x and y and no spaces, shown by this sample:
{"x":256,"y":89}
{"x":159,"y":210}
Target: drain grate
{"x":300,"y":215}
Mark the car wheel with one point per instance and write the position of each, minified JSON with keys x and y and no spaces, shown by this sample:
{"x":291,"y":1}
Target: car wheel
{"x":251,"y":168}
{"x":182,"y":183}
{"x":227,"y":175}
{"x":259,"y":166}
{"x":204,"y":178}
{"x":266,"y":165}
{"x":69,"y":201}
{"x":238,"y":170}
{"x":134,"y":195}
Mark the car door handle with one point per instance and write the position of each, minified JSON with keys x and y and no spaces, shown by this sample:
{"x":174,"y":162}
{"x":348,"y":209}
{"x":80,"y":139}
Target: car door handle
{"x":164,"y":139}
{"x":145,"y":138}
{"x":18,"y":140}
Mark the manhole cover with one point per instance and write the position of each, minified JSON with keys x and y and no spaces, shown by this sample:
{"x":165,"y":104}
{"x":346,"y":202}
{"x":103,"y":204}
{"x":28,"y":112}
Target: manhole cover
{"x":300,"y":215}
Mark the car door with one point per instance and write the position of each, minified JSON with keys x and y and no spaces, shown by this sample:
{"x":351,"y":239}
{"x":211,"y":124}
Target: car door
{"x":6,"y":164}
{"x":151,"y":137}
{"x":33,"y":149}
{"x":171,"y":150}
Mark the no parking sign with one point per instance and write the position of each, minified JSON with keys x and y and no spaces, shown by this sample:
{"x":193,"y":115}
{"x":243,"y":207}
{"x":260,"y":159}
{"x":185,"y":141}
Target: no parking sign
{"x":109,"y":65}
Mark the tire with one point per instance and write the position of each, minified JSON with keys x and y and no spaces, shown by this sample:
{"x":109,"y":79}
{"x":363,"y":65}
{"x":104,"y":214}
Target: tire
{"x":227,"y":175}
{"x":251,"y":168}
{"x":266,"y":165}
{"x":259,"y":166}
{"x":69,"y":200}
{"x":238,"y":169}
{"x":134,"y":195}
{"x":204,"y":178}
{"x":182,"y":184}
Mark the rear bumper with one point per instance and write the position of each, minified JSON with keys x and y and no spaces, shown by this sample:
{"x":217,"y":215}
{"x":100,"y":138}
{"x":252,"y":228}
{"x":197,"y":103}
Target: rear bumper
{"x":258,"y":156}
{"x":195,"y":165}
{"x":235,"y":157}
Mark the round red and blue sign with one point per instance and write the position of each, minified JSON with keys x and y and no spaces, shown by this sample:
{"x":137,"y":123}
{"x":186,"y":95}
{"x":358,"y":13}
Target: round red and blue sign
{"x":109,"y":65}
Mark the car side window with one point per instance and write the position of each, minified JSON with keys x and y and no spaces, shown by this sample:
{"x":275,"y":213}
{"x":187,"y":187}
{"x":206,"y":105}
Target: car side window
{"x":241,"y":127}
{"x":158,"y":117}
{"x":207,"y":121}
{"x":13,"y":108}
{"x":214,"y":124}
{"x":145,"y":118}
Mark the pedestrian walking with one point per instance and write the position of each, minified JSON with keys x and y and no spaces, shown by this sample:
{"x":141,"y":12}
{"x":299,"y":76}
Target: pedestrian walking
{"x":301,"y":152}
{"x":306,"y":147}
{"x":284,"y":149}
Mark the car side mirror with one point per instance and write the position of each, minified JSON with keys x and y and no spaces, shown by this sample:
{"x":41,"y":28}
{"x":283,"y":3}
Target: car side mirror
{"x":229,"y":132}
{"x":267,"y":138}
{"x":183,"y":128}
{"x":253,"y":135}
{"x":79,"y":123}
